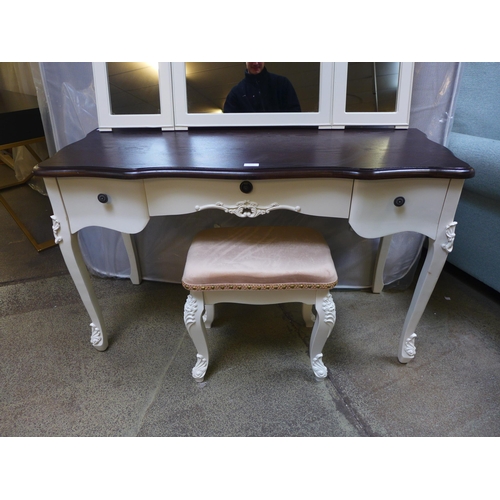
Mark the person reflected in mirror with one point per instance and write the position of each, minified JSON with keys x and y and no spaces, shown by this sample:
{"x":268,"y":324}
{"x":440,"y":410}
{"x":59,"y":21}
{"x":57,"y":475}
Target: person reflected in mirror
{"x":261,"y":91}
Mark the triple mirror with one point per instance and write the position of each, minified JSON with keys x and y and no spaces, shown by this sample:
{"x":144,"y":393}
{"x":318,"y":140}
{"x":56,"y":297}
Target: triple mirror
{"x":182,"y":95}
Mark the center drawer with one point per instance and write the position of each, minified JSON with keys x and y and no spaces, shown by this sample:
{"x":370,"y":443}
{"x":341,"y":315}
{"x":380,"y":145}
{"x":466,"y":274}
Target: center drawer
{"x":323,"y":197}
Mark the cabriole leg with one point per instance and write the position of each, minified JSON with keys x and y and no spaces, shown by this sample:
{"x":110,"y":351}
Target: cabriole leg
{"x":308,"y":315}
{"x":193,"y":319}
{"x":72,"y":255}
{"x":208,"y":317}
{"x":131,"y":249}
{"x":73,"y":258}
{"x":325,"y":321}
{"x":436,"y":257}
{"x":383,"y":250}
{"x":433,"y":265}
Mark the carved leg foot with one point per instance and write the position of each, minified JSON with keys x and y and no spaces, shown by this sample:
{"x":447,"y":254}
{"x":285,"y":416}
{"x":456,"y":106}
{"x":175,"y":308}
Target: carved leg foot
{"x":325,"y":321}
{"x":319,"y":369}
{"x":200,"y":368}
{"x":98,"y":339}
{"x":193,"y":312}
{"x":408,"y":349}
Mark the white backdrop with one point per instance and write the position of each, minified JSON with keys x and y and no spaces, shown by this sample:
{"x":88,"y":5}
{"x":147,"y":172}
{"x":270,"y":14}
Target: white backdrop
{"x":67,"y":103}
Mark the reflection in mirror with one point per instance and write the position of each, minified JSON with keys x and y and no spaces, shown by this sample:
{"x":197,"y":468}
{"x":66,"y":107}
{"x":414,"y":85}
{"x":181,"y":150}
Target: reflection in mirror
{"x":133,"y":88}
{"x":372,"y":86}
{"x":208,"y":84}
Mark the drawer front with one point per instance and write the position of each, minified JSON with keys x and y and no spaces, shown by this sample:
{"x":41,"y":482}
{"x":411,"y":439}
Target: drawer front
{"x":121,"y":207}
{"x":384,"y":207}
{"x":324,"y":197}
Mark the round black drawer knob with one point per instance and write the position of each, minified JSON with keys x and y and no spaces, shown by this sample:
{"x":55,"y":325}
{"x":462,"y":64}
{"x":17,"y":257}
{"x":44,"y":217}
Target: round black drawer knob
{"x":246,"y":187}
{"x":103,"y":198}
{"x":399,"y":201}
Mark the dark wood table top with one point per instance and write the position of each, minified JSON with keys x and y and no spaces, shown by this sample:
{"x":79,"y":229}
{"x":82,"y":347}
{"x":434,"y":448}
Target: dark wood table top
{"x":255,"y":153}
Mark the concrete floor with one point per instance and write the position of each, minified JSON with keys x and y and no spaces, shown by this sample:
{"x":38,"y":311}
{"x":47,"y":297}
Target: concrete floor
{"x":259,"y":383}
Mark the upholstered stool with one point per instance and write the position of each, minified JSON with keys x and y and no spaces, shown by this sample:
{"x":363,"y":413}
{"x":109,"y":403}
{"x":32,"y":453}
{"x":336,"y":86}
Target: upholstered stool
{"x":259,"y":265}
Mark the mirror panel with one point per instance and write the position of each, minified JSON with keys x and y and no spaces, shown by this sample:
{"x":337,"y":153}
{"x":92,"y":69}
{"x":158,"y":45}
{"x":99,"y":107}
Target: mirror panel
{"x":376,"y":94}
{"x":209,"y":83}
{"x":130,"y":95}
{"x":372,"y":87}
{"x":133,"y":88}
{"x":313,"y":82}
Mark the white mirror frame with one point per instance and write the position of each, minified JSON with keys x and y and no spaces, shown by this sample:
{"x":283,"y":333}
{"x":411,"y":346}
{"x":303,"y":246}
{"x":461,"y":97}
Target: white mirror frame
{"x":107,"y":120}
{"x":399,"y":118}
{"x":174,"y":113}
{"x":184,"y":119}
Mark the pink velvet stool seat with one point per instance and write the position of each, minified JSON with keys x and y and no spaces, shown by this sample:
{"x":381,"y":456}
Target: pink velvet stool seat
{"x":259,"y":265}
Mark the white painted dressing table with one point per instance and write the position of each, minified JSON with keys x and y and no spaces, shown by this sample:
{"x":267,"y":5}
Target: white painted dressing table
{"x":384,"y":181}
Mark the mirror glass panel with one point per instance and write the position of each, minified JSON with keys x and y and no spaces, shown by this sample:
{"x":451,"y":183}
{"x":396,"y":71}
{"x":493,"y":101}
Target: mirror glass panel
{"x":372,"y":87}
{"x":209,"y":84}
{"x":133,"y":88}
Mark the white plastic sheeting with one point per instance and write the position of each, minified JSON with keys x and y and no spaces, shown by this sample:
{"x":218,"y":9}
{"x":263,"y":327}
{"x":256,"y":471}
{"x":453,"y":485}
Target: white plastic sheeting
{"x":67,"y":102}
{"x":17,"y":77}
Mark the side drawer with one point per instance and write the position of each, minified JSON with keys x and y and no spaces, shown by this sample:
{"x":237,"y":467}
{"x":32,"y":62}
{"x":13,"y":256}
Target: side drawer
{"x":324,"y":197}
{"x":122,"y":208}
{"x":384,"y":207}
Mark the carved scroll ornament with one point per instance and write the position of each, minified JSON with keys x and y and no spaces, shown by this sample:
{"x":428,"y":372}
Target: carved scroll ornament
{"x":329,"y":310}
{"x":96,"y":337}
{"x":450,"y":236}
{"x":247,"y":208}
{"x":56,"y":227}
{"x":190,"y":308}
{"x":410,"y":348}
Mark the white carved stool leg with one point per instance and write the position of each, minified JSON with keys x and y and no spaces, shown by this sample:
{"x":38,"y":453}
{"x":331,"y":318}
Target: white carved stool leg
{"x":308,"y":315}
{"x":208,"y":317}
{"x":193,"y":312}
{"x":325,"y":321}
